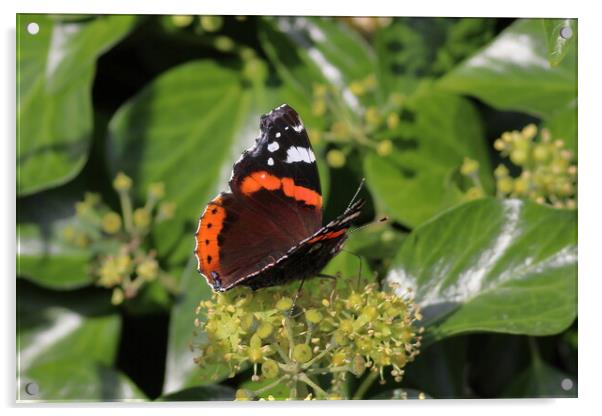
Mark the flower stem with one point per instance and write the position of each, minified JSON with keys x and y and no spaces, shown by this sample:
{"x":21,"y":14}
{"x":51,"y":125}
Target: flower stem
{"x":126,"y":208}
{"x":317,"y":389}
{"x":270,"y":386}
{"x":363,"y":388}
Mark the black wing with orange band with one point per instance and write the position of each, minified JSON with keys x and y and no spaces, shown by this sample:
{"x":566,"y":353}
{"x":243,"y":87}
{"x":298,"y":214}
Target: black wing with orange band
{"x":275,"y":203}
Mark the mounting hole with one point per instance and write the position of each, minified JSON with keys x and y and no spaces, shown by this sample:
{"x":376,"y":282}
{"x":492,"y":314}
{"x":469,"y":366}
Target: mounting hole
{"x":566,"y":384}
{"x":32,"y":389}
{"x":566,"y":33}
{"x":33,"y":28}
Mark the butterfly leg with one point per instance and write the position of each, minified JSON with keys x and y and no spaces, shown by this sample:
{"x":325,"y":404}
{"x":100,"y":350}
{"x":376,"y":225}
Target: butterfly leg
{"x":296,"y":297}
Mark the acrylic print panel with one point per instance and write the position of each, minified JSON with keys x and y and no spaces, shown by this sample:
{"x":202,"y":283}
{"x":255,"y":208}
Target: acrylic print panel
{"x":128,"y":127}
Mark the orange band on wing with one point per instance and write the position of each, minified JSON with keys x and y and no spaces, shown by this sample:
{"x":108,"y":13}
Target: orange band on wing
{"x":263,"y":180}
{"x":207,"y":249}
{"x":328,"y":236}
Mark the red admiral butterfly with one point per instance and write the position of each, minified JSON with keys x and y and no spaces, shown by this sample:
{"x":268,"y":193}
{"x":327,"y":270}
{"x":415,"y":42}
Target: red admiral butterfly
{"x":268,"y":229}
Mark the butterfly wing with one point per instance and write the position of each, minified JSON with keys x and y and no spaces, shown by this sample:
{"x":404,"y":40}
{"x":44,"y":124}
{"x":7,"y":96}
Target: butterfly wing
{"x":275,"y":202}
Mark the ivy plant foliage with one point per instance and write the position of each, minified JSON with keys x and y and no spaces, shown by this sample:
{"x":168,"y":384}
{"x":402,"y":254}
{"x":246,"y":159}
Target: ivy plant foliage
{"x":501,"y":266}
{"x":54,"y":94}
{"x":488,"y":265}
{"x":529,"y":67}
{"x":67,"y":344}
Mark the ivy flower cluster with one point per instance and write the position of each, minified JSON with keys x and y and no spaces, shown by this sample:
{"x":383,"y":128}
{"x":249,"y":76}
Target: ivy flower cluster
{"x":345,"y":129}
{"x":117,"y":240}
{"x":545,"y":169}
{"x":312,"y":348}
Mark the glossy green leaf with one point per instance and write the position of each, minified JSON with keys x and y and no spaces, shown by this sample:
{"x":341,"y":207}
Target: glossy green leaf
{"x":417,"y":180}
{"x":563,"y":125}
{"x":54,"y":105}
{"x":54,"y":328}
{"x":560,"y":36}
{"x":180,"y":370}
{"x":513,"y":73}
{"x":203,"y":393}
{"x":310,"y":50}
{"x":74,"y":380}
{"x":542,"y":380}
{"x":439,"y":369}
{"x":488,"y":265}
{"x":43,"y":254}
{"x":412,"y":49}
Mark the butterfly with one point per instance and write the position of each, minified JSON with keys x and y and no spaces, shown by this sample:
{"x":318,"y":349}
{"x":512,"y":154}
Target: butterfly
{"x":267,"y":229}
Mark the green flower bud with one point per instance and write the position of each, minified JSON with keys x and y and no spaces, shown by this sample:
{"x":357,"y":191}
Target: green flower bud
{"x":469,"y":167}
{"x":270,"y":369}
{"x":265,"y":330}
{"x":346,"y":326}
{"x":372,"y":116}
{"x":142,"y":218}
{"x":357,"y":88}
{"x":224,"y":43}
{"x":313,"y":315}
{"x":122,"y":182}
{"x":255,"y":354}
{"x":384,"y":148}
{"x":244,"y":395}
{"x":182,"y":21}
{"x":212,"y":23}
{"x":156,"y":190}
{"x":541,"y":153}
{"x":111,"y":223}
{"x":336,"y":158}
{"x":474,"y":193}
{"x":148,"y":269}
{"x":354,"y":301}
{"x":318,"y":107}
{"x":505,"y":185}
{"x":284,"y":304}
{"x":117,"y":297}
{"x":339,"y":130}
{"x":338,"y":358}
{"x":358,"y":365}
{"x":302,"y":353}
{"x":392,"y":120}
{"x":501,"y":171}
{"x":246,"y":322}
{"x":519,"y":156}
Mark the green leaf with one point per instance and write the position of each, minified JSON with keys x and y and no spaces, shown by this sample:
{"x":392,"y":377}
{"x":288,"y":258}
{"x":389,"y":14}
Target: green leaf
{"x":412,"y":49}
{"x":488,"y":265}
{"x":440,"y":369}
{"x":558,"y":45}
{"x":310,"y":50}
{"x":513,"y":73}
{"x":180,"y":370}
{"x":54,"y":105}
{"x":416,"y":181}
{"x":541,"y":380}
{"x":43,"y":254}
{"x":563,"y":125}
{"x":204,"y":393}
{"x":54,"y":328}
{"x":69,"y":380}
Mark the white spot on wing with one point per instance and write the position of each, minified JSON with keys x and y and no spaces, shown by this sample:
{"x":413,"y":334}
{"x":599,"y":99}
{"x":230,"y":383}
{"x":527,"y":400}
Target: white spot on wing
{"x":271,"y":162}
{"x":272,"y":147}
{"x":300,"y":154}
{"x":278,"y":135}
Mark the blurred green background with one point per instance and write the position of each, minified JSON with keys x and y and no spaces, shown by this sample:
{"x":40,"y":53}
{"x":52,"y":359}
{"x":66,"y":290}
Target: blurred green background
{"x":400,"y":101}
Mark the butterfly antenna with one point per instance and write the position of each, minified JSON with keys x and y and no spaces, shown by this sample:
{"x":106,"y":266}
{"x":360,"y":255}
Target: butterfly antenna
{"x":382,"y":219}
{"x":359,"y":188}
